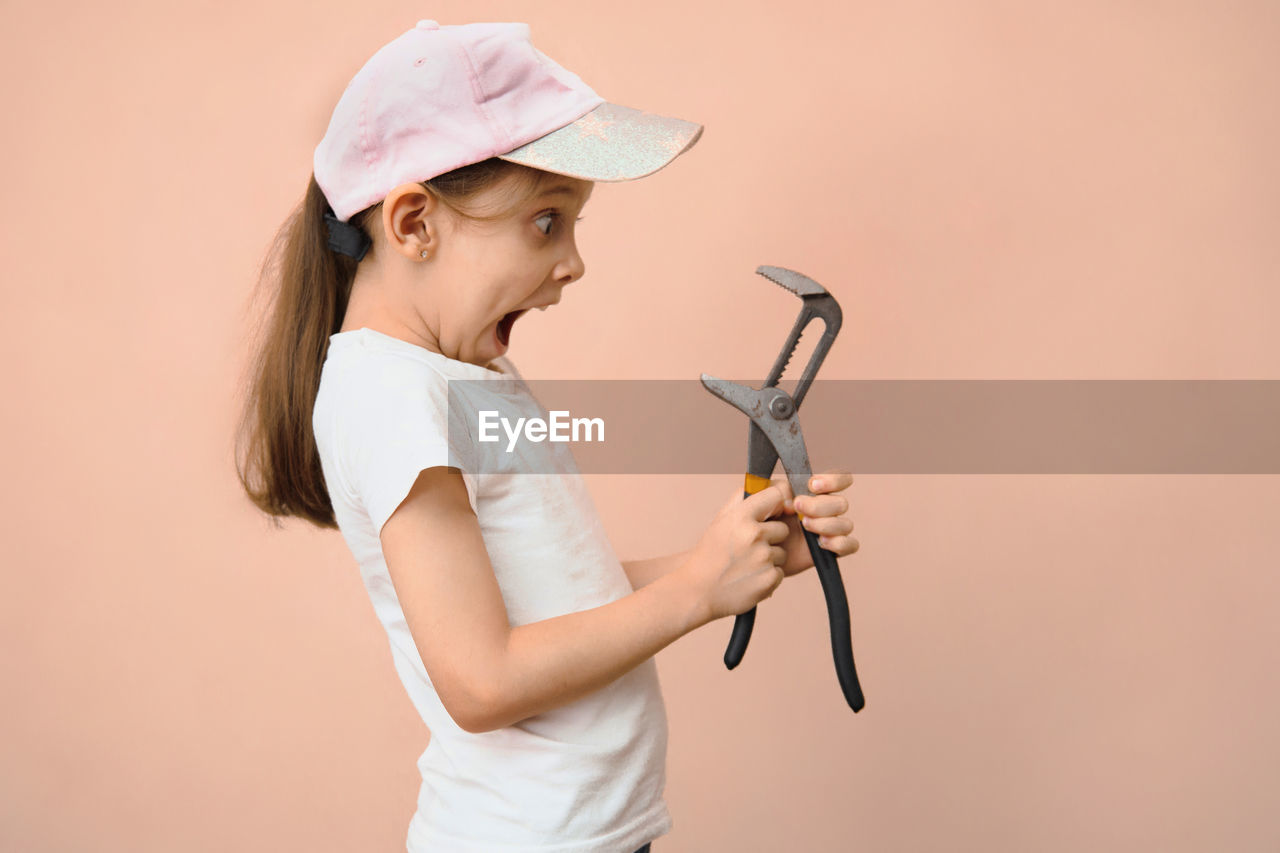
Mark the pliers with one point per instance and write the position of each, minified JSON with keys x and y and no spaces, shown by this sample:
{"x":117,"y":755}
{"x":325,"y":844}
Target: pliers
{"x":775,"y":434}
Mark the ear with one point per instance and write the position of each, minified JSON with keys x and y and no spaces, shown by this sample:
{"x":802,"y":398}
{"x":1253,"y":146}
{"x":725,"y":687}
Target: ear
{"x":411,"y":221}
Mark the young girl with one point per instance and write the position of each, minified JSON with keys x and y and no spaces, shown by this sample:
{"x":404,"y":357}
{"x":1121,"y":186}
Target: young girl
{"x":441,"y":208}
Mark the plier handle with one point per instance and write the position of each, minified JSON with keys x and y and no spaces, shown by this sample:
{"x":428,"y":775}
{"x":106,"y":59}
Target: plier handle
{"x":775,"y":435}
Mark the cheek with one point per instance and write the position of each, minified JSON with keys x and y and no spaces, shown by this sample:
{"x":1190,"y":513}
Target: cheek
{"x":488,"y":306}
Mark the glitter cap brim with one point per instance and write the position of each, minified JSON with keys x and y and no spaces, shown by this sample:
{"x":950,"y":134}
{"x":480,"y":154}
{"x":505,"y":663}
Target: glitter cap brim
{"x":609,"y":143}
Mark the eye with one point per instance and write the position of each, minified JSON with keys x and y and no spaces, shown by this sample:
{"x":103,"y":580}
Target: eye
{"x":550,"y":216}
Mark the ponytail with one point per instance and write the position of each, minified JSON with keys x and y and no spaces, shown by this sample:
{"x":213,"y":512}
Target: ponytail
{"x":279,"y":465}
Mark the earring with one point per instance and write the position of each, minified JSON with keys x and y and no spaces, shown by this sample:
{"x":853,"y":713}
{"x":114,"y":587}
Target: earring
{"x":423,"y":254}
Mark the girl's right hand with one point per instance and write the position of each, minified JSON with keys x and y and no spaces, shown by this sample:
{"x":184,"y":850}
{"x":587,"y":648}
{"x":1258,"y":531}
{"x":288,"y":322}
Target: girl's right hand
{"x":738,"y":562}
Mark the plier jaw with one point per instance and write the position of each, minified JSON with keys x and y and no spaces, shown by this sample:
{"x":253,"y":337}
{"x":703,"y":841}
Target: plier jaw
{"x":775,"y":435}
{"x":817,"y":305}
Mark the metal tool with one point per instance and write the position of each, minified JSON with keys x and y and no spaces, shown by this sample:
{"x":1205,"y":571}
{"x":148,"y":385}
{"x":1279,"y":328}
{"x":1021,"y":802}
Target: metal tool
{"x":775,"y":434}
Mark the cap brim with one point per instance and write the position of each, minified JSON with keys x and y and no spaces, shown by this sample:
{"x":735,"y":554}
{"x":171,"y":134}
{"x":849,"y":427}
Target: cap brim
{"x":610,"y":143}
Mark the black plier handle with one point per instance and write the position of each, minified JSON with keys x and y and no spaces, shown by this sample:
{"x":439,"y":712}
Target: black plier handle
{"x":775,"y":435}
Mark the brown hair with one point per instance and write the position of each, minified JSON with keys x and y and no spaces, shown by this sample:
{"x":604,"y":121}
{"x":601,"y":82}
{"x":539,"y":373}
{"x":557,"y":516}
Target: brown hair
{"x":308,"y":286}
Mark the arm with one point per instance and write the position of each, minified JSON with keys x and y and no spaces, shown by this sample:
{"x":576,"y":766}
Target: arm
{"x":642,"y":572}
{"x":556,"y":661}
{"x":488,"y":674}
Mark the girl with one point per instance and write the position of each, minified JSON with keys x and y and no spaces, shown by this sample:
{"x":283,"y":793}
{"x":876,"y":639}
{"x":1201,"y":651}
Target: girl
{"x":442,"y":207}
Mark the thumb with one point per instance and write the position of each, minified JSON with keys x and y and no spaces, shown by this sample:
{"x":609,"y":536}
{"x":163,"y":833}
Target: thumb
{"x":788,"y":499}
{"x":765,"y":503}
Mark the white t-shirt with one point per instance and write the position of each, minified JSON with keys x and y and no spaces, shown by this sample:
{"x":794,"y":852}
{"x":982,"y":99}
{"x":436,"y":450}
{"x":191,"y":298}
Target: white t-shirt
{"x":586,"y":777}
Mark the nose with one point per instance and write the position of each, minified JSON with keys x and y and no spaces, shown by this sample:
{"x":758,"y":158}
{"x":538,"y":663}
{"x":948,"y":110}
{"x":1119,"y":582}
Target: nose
{"x":570,"y":267}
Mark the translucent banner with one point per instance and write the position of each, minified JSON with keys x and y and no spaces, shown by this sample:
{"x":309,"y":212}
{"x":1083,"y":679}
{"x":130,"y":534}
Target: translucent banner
{"x":875,"y":426}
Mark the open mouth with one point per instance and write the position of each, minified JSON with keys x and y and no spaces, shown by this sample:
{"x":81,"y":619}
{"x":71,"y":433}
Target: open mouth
{"x":505,"y":324}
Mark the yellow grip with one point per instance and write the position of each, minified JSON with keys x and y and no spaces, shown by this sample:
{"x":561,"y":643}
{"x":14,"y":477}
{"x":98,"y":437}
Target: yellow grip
{"x":755,"y":484}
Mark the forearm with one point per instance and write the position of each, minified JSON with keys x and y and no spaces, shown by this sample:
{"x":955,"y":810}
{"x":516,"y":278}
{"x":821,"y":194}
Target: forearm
{"x":557,"y":661}
{"x":643,"y":572}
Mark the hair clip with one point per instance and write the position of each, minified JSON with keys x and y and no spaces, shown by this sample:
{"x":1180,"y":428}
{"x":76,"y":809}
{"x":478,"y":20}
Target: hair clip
{"x":345,"y":237}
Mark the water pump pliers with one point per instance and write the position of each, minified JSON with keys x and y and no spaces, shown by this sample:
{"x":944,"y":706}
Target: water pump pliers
{"x":775,"y":435}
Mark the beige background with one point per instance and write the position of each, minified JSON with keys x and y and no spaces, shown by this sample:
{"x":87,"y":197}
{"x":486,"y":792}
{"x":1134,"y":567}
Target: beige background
{"x":992,"y":190}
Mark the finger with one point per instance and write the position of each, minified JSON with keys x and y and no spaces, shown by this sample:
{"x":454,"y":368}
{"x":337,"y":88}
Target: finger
{"x":770,"y":576}
{"x":778,"y":555}
{"x":837,"y":525}
{"x":787,"y":496}
{"x":834,"y":480}
{"x":822,"y":505}
{"x":777,"y":530}
{"x":764,"y":503}
{"x":841,"y":546}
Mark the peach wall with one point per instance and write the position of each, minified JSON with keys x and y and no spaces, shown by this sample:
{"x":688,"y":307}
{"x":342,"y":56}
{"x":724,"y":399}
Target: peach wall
{"x":992,"y":189}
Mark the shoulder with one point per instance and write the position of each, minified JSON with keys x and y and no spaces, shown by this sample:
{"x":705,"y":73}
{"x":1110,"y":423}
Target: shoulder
{"x":377,"y":375}
{"x":371,"y":395}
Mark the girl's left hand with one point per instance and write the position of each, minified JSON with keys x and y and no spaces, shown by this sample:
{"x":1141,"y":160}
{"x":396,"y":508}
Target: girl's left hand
{"x":825,"y":513}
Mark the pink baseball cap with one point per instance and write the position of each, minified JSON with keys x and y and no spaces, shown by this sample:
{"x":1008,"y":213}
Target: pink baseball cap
{"x":441,"y":97}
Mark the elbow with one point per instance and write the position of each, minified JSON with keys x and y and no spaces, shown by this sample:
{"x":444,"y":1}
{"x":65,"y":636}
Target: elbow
{"x":471,"y":720}
{"x":480,"y":712}
{"x":474,"y":691}
{"x":477,"y":725}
